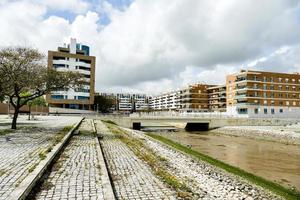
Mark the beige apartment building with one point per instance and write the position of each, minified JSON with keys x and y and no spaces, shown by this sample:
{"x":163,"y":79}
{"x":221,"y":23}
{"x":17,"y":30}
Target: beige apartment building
{"x":263,"y":94}
{"x":194,"y":98}
{"x":217,"y":98}
{"x":73,"y":57}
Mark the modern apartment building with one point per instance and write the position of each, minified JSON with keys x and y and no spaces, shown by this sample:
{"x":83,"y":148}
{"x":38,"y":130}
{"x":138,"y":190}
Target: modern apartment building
{"x":167,"y":101}
{"x":126,"y":102}
{"x":217,"y":98}
{"x":193,"y":98}
{"x":263,"y":94}
{"x":73,"y":57}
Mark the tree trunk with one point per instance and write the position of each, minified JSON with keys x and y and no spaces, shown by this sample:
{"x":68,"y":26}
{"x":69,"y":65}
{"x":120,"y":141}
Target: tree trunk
{"x":14,"y":121}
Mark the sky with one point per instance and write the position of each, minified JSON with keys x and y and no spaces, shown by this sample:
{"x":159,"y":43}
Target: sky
{"x":154,"y":46}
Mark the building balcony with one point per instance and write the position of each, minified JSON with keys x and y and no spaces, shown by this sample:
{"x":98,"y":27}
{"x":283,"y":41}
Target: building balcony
{"x":241,"y":96}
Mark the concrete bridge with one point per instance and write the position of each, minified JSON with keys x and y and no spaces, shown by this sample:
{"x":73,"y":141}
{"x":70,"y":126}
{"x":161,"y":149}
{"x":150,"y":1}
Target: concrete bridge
{"x":194,"y":123}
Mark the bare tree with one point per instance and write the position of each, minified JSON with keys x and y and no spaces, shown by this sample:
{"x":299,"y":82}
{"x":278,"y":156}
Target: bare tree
{"x":24,"y":76}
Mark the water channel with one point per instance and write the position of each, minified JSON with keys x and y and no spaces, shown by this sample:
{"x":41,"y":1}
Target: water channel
{"x":272,"y":160}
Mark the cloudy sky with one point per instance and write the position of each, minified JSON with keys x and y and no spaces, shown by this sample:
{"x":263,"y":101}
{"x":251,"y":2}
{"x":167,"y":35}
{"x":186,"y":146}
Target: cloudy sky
{"x":152,"y":46}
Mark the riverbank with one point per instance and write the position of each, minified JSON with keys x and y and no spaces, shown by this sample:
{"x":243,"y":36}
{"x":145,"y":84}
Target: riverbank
{"x":205,"y":180}
{"x":289,"y":134}
{"x":218,"y":166}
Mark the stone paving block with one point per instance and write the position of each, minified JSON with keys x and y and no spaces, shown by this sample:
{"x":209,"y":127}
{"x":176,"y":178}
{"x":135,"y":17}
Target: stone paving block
{"x":132,"y":177}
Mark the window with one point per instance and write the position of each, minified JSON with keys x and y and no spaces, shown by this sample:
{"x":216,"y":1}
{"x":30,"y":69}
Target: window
{"x":281,"y":103}
{"x":294,"y":103}
{"x":265,"y":102}
{"x":272,"y":95}
{"x":280,"y":79}
{"x":256,"y":110}
{"x":265,"y":111}
{"x":255,"y":86}
{"x":265,"y":86}
{"x":265,"y":79}
{"x":287,"y":87}
{"x":271,"y":79}
{"x":256,"y":94}
{"x":286,"y":80}
{"x":243,"y":111}
{"x":272,"y":103}
{"x":281,"y":110}
{"x":57,"y":96}
{"x":255,"y":78}
{"x":272,"y":111}
{"x":265,"y":95}
{"x":287,"y":103}
{"x":280,"y":87}
{"x":271,"y":87}
{"x":280,"y":95}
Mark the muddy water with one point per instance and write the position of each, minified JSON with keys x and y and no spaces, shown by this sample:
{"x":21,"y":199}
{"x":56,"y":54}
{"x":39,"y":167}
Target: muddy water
{"x":271,"y":160}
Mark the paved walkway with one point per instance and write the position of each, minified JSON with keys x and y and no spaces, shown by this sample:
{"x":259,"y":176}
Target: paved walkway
{"x":77,"y":174}
{"x":18,"y":154}
{"x":132,"y":178}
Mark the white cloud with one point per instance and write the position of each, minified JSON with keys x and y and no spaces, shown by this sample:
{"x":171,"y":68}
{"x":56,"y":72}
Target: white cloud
{"x":74,"y":6}
{"x":153,"y":46}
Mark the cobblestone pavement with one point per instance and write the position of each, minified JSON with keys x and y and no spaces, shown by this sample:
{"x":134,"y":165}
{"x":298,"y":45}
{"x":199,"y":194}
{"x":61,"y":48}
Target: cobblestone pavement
{"x":77,"y":173}
{"x":209,"y":181}
{"x":132,"y":178}
{"x":19,"y":152}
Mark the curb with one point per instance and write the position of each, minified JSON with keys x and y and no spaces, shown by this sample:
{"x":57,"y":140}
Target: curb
{"x":23,"y":190}
{"x":107,"y":185}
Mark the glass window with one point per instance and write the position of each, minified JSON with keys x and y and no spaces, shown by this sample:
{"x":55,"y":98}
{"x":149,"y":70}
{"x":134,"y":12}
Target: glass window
{"x":256,"y":110}
{"x":272,"y":111}
{"x":265,"y":111}
{"x":281,"y":110}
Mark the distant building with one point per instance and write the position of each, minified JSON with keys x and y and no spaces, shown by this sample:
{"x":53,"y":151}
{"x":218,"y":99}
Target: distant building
{"x":126,"y":102}
{"x":167,"y":101}
{"x":73,"y":57}
{"x":193,"y":98}
{"x":263,"y":94}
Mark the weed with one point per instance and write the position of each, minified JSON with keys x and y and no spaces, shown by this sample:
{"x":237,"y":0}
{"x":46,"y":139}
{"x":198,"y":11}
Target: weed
{"x":42,"y":155}
{"x":2,"y":172}
{"x":31,"y":169}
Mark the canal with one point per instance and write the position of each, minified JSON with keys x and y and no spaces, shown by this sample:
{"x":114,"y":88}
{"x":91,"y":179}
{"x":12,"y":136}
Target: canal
{"x":272,"y":160}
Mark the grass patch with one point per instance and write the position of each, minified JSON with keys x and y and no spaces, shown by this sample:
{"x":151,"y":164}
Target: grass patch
{"x":156,"y":163}
{"x":5,"y":131}
{"x":108,"y":121}
{"x":31,"y":169}
{"x":2,"y":172}
{"x":42,"y":155}
{"x":274,"y":187}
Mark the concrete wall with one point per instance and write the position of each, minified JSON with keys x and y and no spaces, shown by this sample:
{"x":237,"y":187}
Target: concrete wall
{"x":54,"y":110}
{"x":34,"y":109}
{"x":288,"y":112}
